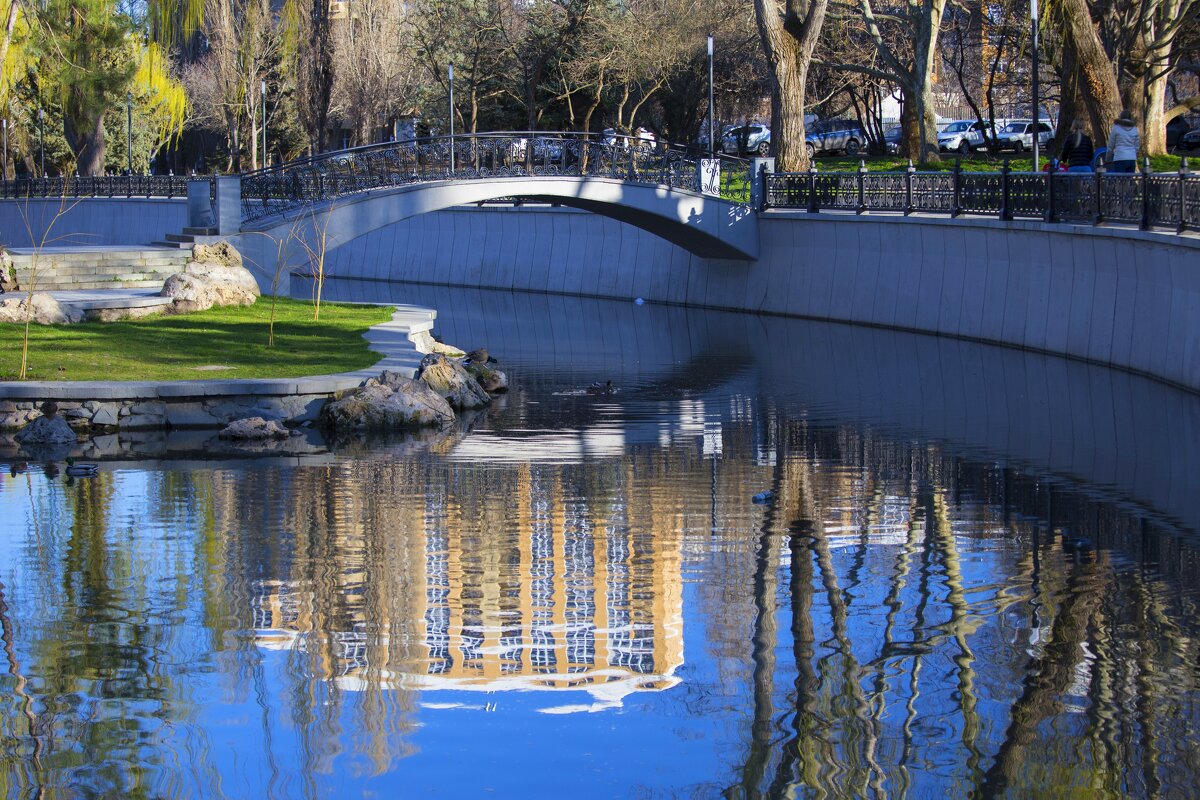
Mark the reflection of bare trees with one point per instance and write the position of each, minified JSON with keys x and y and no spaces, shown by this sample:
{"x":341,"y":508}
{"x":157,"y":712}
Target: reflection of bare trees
{"x":897,"y":623}
{"x":1062,"y":671}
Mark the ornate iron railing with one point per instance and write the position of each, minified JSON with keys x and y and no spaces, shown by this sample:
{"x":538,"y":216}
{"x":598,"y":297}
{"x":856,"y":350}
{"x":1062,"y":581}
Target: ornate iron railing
{"x":1147,"y":199}
{"x":98,"y":186}
{"x":479,"y":156}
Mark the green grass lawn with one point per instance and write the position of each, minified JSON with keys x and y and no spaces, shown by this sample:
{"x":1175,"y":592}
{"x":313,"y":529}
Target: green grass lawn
{"x":163,"y":348}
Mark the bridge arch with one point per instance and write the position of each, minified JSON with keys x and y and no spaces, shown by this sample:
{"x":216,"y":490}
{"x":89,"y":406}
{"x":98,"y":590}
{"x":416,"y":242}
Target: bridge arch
{"x":706,"y":226}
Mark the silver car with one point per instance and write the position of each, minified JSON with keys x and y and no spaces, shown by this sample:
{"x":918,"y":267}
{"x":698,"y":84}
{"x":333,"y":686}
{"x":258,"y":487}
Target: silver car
{"x":1018,"y":135}
{"x":962,"y":135}
{"x":747,"y":139}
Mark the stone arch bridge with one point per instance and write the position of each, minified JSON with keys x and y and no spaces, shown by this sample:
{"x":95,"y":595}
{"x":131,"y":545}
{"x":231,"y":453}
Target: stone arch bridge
{"x":337,"y":197}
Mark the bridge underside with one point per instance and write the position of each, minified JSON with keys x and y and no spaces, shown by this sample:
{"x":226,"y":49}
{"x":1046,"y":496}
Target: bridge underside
{"x":706,"y":226}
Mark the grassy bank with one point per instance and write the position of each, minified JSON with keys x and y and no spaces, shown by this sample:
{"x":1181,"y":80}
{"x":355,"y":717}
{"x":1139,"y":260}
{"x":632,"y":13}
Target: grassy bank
{"x":219,"y":343}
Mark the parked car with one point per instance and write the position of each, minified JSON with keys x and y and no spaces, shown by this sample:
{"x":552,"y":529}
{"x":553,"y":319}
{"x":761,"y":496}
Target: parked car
{"x":702,"y":139}
{"x":1190,"y":140}
{"x":1176,"y":129}
{"x":962,"y":135}
{"x":643,"y":137}
{"x":1018,"y":135}
{"x":835,"y":135}
{"x":747,"y":139}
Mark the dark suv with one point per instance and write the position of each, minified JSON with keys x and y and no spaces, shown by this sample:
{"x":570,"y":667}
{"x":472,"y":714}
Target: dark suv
{"x":833,"y":135}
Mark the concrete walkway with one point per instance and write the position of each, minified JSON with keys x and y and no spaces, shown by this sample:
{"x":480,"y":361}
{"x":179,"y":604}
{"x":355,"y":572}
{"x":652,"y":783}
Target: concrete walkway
{"x":92,"y":299}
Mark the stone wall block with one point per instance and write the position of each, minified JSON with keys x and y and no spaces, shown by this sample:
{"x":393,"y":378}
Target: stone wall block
{"x":105,"y":414}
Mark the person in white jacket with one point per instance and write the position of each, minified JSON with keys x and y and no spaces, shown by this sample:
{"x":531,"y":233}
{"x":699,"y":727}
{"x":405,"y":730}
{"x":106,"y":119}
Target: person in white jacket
{"x":1123,"y":144}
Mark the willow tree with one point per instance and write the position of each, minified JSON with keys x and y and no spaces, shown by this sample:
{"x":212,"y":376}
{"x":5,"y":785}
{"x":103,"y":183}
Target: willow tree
{"x":789,"y":30}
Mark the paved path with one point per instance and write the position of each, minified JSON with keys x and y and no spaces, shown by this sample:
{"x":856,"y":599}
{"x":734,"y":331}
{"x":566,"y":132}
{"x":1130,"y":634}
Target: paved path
{"x":89,"y":299}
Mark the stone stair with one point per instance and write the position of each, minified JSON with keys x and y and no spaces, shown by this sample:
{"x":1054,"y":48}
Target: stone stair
{"x":189,"y":237}
{"x":79,"y":268}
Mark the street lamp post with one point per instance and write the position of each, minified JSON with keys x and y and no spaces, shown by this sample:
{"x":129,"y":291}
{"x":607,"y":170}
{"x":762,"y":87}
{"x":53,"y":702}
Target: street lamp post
{"x":262,"y":86}
{"x":451,"y":71}
{"x":42,"y":139}
{"x":1037,"y":117}
{"x":712,"y":124}
{"x":6,"y":148}
{"x":129,"y":131}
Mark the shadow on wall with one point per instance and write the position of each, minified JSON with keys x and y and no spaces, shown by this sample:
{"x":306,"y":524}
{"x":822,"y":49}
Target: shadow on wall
{"x":1125,"y":437}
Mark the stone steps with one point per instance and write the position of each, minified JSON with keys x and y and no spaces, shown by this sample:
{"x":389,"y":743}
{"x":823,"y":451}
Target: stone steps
{"x":99,"y":268}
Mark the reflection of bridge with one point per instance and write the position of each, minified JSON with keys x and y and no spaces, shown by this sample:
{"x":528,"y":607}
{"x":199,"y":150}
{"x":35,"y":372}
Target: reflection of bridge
{"x":350,"y":193}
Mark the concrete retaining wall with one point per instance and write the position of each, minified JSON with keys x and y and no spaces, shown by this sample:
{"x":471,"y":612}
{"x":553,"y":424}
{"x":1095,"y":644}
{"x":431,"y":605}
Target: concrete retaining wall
{"x":90,"y":221}
{"x":1117,"y":297}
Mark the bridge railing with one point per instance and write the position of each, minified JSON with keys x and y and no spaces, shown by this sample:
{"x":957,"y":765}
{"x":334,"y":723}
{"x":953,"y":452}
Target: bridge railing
{"x":96,"y":186}
{"x":1147,"y":199}
{"x":479,"y":156}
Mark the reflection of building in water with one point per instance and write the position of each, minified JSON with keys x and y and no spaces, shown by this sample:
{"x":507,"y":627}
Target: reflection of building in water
{"x":536,"y":592}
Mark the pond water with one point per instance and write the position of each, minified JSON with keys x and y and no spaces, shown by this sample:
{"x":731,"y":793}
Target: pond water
{"x":975,"y":572}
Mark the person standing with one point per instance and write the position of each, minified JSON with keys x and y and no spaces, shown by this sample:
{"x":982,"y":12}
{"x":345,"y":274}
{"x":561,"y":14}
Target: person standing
{"x":1077,"y":150}
{"x":1123,"y":144}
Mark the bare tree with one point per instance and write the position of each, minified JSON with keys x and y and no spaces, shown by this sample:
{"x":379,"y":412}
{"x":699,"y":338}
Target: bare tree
{"x":906,"y":40}
{"x":790,"y":31}
{"x":375,"y":75}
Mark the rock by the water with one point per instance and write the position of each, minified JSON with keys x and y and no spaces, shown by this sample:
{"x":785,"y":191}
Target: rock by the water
{"x":253,"y":428}
{"x":389,"y":402}
{"x":426,"y":342}
{"x":46,"y":310}
{"x":490,"y":380}
{"x":214,"y":277}
{"x":452,"y":381}
{"x":47,"y":430}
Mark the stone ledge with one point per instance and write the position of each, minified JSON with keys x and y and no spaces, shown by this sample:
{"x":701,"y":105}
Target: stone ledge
{"x":193,"y":403}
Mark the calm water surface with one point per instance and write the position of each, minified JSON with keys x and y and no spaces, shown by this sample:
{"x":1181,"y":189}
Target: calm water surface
{"x":976,"y":574}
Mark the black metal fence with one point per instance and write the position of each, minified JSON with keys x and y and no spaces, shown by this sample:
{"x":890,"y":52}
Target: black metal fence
{"x":99,"y":186}
{"x":1146,"y":199}
{"x":479,"y":156}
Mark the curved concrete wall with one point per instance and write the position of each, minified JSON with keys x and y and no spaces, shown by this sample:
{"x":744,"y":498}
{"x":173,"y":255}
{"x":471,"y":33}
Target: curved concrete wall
{"x":1123,"y":436}
{"x":1117,"y":297}
{"x":91,"y":221}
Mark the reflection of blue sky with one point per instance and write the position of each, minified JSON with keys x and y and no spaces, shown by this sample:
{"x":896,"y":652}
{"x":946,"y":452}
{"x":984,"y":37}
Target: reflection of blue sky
{"x":234,"y":719}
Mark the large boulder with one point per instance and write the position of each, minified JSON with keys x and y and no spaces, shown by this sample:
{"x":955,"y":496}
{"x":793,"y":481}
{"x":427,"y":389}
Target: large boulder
{"x":8,"y":273}
{"x":46,"y":310}
{"x":48,"y":429}
{"x":451,"y":380}
{"x":222,"y":253}
{"x":214,"y":277}
{"x":389,"y":402}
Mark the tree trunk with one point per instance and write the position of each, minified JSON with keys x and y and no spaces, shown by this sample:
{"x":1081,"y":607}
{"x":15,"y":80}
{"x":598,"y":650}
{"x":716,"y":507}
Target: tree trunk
{"x":1154,"y":124}
{"x":924,"y":120}
{"x":1097,"y":80}
{"x":86,"y":139}
{"x":789,"y":36}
